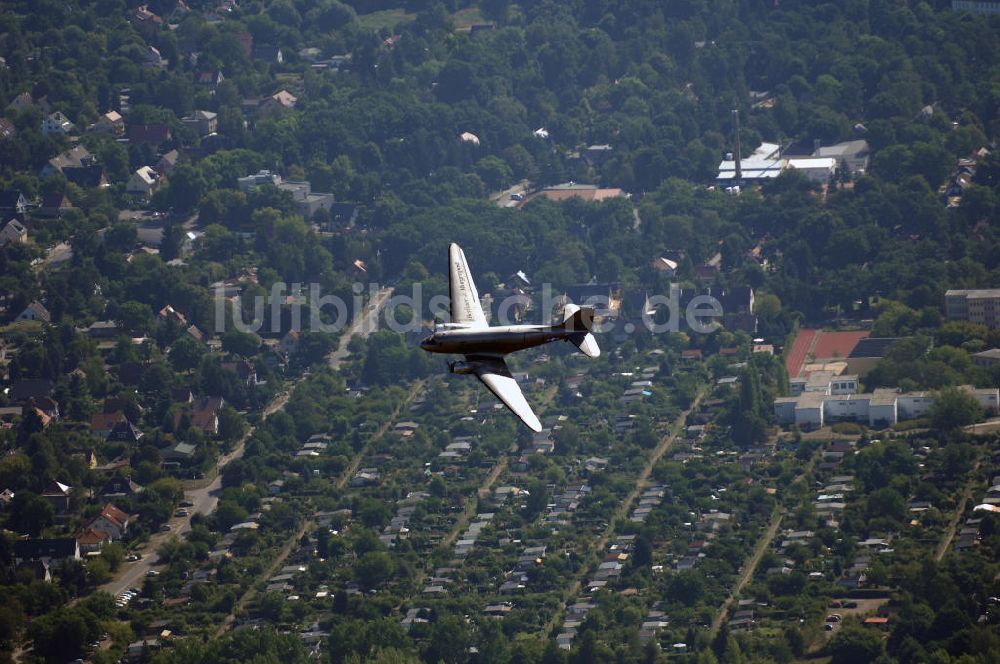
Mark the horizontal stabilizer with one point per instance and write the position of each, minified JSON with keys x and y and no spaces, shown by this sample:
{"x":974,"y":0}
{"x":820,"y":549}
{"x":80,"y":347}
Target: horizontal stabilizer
{"x":587,"y":344}
{"x":580,"y":320}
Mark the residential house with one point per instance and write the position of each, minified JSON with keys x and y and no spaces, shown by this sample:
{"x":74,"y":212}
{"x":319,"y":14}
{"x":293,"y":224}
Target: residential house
{"x":145,"y":22}
{"x":289,"y":343}
{"x":270,"y":54}
{"x":86,"y":177}
{"x":44,"y":404}
{"x":144,"y":182}
{"x":206,"y":122}
{"x":179,"y":454}
{"x":110,"y":520}
{"x":57,"y":124}
{"x":111,"y":122}
{"x":54,"y":204}
{"x":12,"y":201}
{"x":244,"y":369}
{"x":123,"y":431}
{"x":14,"y":232}
{"x":35,"y":311}
{"x":30,"y":388}
{"x":45,"y":550}
{"x":21,"y":102}
{"x":665,"y":265}
{"x":203,"y":415}
{"x":279,"y":102}
{"x":75,"y":157}
{"x":44,"y":419}
{"x":58,"y":495}
{"x":91,"y":540}
{"x":167,"y":162}
{"x":151,"y":58}
{"x":101,"y":329}
{"x":208,"y":77}
{"x":182,"y":395}
{"x":154,"y":134}
{"x":7,"y":129}
{"x":168,"y":314}
{"x":118,"y":487}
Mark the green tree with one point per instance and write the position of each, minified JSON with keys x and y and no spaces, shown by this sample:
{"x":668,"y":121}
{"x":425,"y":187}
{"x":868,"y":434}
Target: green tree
{"x":232,"y":425}
{"x":243,"y":344}
{"x":954,"y":408}
{"x":374,"y":568}
{"x":854,"y":644}
{"x":135,"y":317}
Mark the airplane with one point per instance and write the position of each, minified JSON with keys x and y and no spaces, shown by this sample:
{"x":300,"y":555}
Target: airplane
{"x":484,"y":347}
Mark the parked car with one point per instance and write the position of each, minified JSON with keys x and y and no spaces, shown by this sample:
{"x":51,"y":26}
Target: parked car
{"x":833,"y":617}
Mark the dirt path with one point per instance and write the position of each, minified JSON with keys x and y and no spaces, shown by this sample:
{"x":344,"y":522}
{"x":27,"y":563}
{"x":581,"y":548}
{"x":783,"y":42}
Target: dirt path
{"x":749,"y":568}
{"x":251,"y":592}
{"x":956,"y":518}
{"x":640,"y":484}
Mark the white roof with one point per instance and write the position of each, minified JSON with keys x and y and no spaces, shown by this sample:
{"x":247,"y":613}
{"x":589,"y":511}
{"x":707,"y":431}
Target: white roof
{"x":757,"y":171}
{"x":806,"y":163}
{"x":147,"y":174}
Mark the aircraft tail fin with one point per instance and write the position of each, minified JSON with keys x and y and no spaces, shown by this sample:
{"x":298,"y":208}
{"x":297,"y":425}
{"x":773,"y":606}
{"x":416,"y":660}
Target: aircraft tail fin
{"x":579,"y":321}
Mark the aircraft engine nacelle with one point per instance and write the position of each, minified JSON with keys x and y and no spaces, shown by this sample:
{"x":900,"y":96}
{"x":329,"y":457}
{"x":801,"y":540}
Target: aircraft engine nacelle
{"x":459,"y":367}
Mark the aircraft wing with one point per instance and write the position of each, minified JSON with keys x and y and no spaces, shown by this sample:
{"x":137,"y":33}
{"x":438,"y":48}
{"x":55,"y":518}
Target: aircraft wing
{"x":465,"y":307}
{"x":494,"y":374}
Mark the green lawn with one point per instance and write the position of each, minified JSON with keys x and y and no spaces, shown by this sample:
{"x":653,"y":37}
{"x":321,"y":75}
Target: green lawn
{"x":387,"y":18}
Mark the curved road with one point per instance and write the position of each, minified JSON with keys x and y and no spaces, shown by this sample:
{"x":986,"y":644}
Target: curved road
{"x":205,"y":499}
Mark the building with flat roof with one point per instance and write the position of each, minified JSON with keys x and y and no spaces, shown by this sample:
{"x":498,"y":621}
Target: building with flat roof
{"x":883,"y":407}
{"x":817,"y":169}
{"x":987,"y":358}
{"x":852,"y":154}
{"x":976,"y":6}
{"x":765,"y":163}
{"x":980,"y":306}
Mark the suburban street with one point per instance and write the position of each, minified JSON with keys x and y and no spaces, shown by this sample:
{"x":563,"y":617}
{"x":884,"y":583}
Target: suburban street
{"x":131,"y":574}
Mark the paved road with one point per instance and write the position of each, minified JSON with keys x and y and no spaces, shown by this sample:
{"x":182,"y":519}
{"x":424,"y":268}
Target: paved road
{"x":206,"y":498}
{"x":503,"y":198}
{"x":361,"y":326}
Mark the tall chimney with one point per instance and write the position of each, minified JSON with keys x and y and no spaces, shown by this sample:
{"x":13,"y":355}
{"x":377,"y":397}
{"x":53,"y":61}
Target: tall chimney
{"x":736,"y":152}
